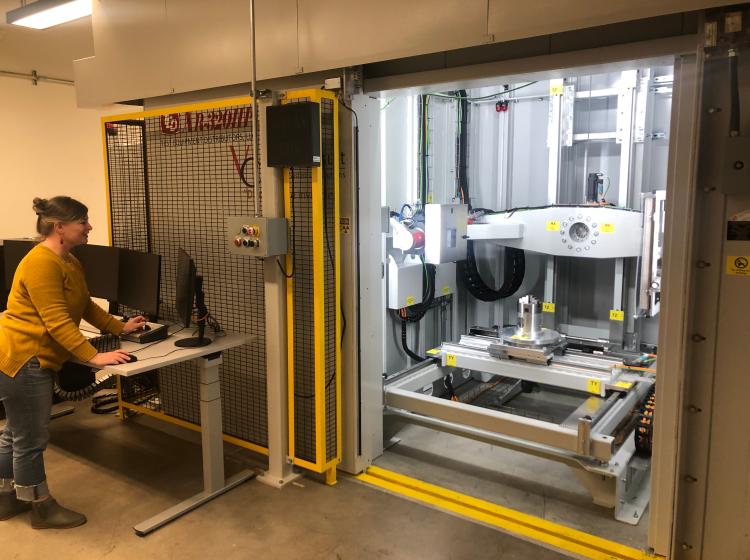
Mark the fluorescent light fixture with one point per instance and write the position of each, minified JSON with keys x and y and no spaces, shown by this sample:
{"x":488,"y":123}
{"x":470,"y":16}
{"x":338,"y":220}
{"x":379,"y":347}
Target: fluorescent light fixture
{"x":46,"y":13}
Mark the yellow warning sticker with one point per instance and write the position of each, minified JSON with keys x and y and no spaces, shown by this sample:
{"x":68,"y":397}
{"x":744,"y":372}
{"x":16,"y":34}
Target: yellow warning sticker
{"x":553,"y":225}
{"x":446,"y":290}
{"x":433,"y":351}
{"x":594,"y":386}
{"x":616,"y":315}
{"x":608,"y":228}
{"x":409,"y":300}
{"x":624,"y":384}
{"x":450,"y":360}
{"x":738,"y":265}
{"x":548,"y":307}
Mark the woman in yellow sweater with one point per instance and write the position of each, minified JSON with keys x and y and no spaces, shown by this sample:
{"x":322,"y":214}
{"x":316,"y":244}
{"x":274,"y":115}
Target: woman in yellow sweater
{"x":38,"y":332}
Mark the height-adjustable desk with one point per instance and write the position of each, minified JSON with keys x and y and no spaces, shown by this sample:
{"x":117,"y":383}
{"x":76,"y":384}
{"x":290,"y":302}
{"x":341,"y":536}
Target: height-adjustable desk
{"x":165,"y":353}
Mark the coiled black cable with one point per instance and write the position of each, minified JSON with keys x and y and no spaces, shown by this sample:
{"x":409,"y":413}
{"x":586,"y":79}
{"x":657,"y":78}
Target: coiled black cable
{"x":86,"y":392}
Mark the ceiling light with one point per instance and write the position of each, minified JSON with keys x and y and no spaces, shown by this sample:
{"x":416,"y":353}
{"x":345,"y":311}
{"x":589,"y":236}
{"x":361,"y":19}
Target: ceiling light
{"x":46,"y":13}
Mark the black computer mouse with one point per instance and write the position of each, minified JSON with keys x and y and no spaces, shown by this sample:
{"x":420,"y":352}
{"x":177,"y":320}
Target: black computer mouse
{"x":132,"y":358}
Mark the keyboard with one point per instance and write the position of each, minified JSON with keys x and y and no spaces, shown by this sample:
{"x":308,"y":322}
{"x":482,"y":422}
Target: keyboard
{"x":105,"y":342}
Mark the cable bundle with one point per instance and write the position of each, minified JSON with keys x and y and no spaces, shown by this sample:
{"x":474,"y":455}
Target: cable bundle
{"x":515,"y":269}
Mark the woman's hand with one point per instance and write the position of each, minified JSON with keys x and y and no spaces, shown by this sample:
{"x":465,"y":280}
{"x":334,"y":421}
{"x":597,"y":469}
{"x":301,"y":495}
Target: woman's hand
{"x":110,"y":358}
{"x":134,"y":324}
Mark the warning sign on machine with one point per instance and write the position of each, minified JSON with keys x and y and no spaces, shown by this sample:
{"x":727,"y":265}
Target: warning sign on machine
{"x":738,"y":265}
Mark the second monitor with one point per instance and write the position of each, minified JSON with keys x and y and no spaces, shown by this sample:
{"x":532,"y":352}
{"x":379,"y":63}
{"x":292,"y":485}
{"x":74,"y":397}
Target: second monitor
{"x":190,"y":288}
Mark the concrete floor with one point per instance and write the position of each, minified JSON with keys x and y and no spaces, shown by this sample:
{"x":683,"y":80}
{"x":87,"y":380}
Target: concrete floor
{"x":532,"y":485}
{"x":121,"y":473}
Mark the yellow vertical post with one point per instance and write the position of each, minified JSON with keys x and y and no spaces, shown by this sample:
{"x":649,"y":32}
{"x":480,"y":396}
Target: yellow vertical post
{"x":120,"y":407}
{"x":289,"y":314}
{"x":108,"y":194}
{"x":319,"y":319}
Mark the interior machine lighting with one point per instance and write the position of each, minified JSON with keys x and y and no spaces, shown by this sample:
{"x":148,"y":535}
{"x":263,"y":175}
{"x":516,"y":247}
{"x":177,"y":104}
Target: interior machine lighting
{"x":48,"y":13}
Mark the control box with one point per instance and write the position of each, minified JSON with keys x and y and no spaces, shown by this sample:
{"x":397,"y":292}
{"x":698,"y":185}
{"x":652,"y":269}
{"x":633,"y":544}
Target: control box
{"x":445,"y":232}
{"x":257,"y":236}
{"x":404,"y":282}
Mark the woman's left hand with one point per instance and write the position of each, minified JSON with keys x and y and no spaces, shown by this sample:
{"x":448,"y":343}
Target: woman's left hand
{"x":135,"y":324}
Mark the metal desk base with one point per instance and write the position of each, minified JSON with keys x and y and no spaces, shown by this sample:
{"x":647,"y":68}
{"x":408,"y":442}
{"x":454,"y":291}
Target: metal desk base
{"x":212,"y":446}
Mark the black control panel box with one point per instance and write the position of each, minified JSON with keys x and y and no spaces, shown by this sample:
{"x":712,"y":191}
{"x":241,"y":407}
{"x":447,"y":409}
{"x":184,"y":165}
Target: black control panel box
{"x":293,"y":135}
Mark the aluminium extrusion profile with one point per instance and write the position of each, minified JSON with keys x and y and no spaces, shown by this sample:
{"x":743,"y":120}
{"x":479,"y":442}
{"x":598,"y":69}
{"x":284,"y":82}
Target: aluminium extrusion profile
{"x":538,"y":431}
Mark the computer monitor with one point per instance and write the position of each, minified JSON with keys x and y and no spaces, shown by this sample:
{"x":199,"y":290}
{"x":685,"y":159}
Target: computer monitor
{"x":189,"y":288}
{"x":139,"y":280}
{"x":101,"y":265}
{"x":13,"y":251}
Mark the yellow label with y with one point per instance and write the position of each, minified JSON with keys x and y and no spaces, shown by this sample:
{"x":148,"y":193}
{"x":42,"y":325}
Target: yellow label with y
{"x":548,"y":307}
{"x":594,"y":386}
{"x":608,"y":228}
{"x":409,"y":300}
{"x":738,"y":265}
{"x":450,"y":360}
{"x":616,"y":315}
{"x":556,"y":87}
{"x":553,"y":225}
{"x":446,"y":290}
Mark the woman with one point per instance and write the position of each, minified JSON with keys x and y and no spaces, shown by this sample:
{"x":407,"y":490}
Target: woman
{"x":38,"y":332}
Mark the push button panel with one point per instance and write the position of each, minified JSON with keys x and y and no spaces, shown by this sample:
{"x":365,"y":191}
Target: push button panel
{"x":257,"y":236}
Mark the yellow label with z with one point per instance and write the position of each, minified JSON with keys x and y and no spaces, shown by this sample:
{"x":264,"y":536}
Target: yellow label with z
{"x":608,"y":228}
{"x":409,"y":300}
{"x":548,"y":307}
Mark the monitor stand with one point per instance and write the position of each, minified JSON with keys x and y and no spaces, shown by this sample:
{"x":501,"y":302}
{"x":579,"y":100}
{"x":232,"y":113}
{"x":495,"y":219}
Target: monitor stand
{"x":200,"y":304}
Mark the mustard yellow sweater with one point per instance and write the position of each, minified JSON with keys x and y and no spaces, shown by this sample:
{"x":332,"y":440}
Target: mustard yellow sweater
{"x":47,"y":300}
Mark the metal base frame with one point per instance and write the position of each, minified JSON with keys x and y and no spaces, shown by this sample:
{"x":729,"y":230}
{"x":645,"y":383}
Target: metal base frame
{"x":212,"y":446}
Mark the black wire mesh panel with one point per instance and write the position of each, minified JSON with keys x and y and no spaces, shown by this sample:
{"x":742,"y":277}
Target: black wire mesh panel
{"x":126,"y":167}
{"x":304,"y":314}
{"x":329,"y":271}
{"x":191,"y":184}
{"x":307,"y":233}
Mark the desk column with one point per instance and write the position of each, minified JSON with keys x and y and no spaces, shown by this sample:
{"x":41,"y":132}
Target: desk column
{"x":211,"y":422}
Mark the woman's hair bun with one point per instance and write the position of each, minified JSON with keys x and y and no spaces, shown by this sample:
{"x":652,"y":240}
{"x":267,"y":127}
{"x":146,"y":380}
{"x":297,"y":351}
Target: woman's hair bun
{"x":40,"y":205}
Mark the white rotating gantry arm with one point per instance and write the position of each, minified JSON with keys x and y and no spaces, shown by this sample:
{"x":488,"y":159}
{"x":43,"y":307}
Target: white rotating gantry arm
{"x":598,"y":232}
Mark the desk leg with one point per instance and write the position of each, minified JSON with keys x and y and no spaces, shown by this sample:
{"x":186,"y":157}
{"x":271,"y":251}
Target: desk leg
{"x":211,"y":425}
{"x":212,"y":441}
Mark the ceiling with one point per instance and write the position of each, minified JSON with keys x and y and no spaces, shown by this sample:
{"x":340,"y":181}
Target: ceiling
{"x":50,"y":52}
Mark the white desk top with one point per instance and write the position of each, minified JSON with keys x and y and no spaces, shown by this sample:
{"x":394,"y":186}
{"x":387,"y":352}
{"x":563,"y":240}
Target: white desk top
{"x":164,"y":353}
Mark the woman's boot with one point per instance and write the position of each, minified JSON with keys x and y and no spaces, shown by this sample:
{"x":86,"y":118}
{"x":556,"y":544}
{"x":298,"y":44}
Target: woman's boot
{"x":48,"y":514}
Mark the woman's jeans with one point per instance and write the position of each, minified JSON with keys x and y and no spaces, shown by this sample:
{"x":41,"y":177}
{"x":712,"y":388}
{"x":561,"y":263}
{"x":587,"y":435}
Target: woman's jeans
{"x":27,"y":399}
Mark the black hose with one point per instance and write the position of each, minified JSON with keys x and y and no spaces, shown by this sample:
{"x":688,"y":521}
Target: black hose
{"x":515,"y":270}
{"x":405,"y":346}
{"x":734,"y":111}
{"x":84,"y":393}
